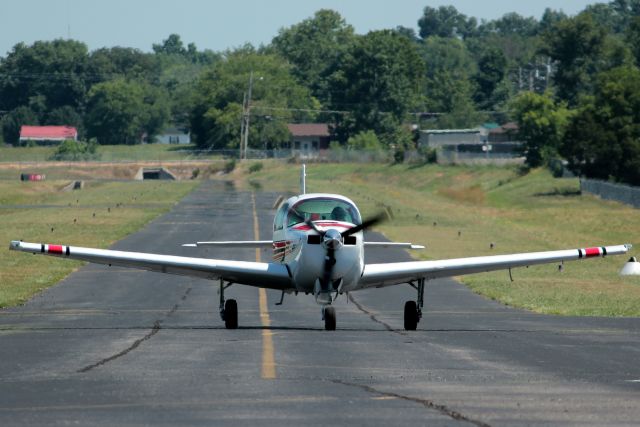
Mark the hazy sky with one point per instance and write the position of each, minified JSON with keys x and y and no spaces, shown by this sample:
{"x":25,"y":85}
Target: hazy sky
{"x":219,"y":25}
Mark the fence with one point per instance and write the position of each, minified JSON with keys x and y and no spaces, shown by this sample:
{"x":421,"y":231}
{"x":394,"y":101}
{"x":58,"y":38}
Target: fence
{"x":158,"y":153}
{"x":609,"y":191}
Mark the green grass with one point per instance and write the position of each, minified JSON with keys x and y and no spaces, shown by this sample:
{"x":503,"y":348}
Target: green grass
{"x":119,"y":208}
{"x":109,"y":153}
{"x":534,"y":212}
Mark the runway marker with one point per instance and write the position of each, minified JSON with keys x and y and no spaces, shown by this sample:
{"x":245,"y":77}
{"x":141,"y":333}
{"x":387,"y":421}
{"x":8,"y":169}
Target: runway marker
{"x":268,"y":359}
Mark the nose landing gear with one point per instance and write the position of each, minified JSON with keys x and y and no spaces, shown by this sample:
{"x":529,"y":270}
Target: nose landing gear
{"x":329,"y":317}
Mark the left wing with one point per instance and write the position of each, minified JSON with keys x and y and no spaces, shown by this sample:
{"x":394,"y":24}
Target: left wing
{"x":379,"y":275}
{"x":259,"y":274}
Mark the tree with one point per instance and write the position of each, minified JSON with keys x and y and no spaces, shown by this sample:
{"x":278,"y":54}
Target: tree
{"x":616,"y":15}
{"x":541,"y":124}
{"x":54,"y":70}
{"x":364,"y":141}
{"x":492,"y":70}
{"x":276,"y":99}
{"x":121,"y":112}
{"x":64,"y":116}
{"x":550,"y":17}
{"x":409,"y":33}
{"x":379,"y":80}
{"x":448,"y":84}
{"x":171,"y":46}
{"x":603,"y":138}
{"x":511,"y":24}
{"x":445,"y":21}
{"x":12,"y":122}
{"x":633,"y":38}
{"x":576,"y":45}
{"x":110,"y":63}
{"x":313,"y":46}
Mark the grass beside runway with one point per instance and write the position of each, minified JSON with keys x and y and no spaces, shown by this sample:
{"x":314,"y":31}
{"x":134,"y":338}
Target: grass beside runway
{"x":95,"y":216}
{"x":111,"y":153}
{"x":460,"y":211}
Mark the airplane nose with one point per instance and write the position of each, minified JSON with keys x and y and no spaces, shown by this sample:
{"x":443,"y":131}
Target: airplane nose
{"x":332,"y":239}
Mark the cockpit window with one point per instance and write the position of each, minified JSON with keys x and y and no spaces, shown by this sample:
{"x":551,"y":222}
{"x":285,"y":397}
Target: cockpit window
{"x":279,"y":220}
{"x":323,"y":209}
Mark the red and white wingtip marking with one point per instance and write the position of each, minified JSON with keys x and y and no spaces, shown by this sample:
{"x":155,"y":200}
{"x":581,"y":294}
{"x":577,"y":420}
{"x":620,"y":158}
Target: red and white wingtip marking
{"x":602,"y":251}
{"x":43,"y":248}
{"x":592,"y":252}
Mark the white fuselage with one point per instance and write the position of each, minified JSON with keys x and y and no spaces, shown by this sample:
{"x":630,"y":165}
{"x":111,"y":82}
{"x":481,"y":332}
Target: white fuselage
{"x":298,"y":246}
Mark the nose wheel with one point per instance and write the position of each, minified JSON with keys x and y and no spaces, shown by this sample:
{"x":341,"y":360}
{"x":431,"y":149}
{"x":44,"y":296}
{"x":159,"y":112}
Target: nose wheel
{"x":329,"y":316}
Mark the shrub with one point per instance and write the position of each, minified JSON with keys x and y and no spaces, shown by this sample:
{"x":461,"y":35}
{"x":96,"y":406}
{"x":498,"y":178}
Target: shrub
{"x":230,"y":166}
{"x":255,"y":167}
{"x":71,"y":150}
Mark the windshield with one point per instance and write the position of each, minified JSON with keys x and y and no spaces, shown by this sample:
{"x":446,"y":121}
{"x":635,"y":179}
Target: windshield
{"x":323,"y":209}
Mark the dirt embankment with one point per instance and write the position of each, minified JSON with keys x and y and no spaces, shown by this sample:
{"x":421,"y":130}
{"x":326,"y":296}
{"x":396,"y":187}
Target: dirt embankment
{"x":111,"y":170}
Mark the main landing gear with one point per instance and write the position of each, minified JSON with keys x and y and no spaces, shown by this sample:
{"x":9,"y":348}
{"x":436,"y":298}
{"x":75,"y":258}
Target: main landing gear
{"x":413,"y":309}
{"x":329,"y":317}
{"x":228,"y":308}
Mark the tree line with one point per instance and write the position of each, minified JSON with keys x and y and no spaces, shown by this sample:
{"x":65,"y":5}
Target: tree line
{"x":571,"y":83}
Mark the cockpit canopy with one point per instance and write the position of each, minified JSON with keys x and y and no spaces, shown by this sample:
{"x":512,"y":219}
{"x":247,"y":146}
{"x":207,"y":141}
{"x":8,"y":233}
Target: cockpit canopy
{"x":316,"y":209}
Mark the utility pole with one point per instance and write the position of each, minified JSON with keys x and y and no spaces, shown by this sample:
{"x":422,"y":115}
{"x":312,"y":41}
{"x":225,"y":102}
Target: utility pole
{"x":246,"y":116}
{"x":243,"y":125}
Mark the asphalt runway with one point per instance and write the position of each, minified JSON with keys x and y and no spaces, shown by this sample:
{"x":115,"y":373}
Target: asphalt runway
{"x":111,"y":346}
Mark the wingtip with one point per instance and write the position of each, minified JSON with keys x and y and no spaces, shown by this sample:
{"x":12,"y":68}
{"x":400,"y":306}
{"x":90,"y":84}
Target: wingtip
{"x":190,"y":245}
{"x":417,"y":247}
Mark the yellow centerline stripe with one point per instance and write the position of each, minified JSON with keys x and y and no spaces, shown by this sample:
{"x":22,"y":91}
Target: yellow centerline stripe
{"x":268,"y":359}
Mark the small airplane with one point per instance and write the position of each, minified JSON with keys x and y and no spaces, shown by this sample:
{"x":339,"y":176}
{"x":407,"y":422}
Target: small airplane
{"x":318,"y":248}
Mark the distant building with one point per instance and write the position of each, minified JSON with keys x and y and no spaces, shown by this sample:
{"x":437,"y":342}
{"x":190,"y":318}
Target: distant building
{"x":309,"y":138}
{"x":489,"y":141}
{"x":505,"y":133}
{"x":47,"y":134}
{"x":439,"y":138}
{"x":174,"y":135}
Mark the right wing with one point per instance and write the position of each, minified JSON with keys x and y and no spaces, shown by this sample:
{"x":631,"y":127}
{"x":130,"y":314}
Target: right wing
{"x":380,"y":275}
{"x":259,"y":274}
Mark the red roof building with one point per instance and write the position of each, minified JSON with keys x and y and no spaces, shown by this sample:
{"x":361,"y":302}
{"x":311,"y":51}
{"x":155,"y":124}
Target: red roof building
{"x":309,"y":129}
{"x":48,"y":133}
{"x":309,"y":136}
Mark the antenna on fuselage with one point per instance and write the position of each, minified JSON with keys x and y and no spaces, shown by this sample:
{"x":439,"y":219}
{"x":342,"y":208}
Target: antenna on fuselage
{"x":303,"y":180}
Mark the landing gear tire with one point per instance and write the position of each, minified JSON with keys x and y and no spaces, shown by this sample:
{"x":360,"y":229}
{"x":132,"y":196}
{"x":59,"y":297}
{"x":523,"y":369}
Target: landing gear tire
{"x":231,"y":314}
{"x":329,"y":319}
{"x":410,"y":316}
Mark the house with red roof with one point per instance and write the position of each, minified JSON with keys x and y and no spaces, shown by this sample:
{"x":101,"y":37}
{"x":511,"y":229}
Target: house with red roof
{"x":47,"y":134}
{"x":309,"y":138}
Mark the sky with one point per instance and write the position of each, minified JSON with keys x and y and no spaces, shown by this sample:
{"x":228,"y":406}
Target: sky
{"x":221,"y":25}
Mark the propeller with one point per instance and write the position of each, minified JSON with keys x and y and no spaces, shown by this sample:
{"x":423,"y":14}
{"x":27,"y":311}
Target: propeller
{"x":332,"y":240}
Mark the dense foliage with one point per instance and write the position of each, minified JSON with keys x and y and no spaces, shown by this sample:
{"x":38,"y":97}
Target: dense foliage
{"x":570,"y":82}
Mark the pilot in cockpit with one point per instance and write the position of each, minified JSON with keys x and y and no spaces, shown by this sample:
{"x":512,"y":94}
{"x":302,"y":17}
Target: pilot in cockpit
{"x":339,"y":214}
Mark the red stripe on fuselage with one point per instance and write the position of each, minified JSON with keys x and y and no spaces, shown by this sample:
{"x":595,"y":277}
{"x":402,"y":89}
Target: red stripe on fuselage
{"x":591,"y":252}
{"x":305,"y":227}
{"x":55,"y":249}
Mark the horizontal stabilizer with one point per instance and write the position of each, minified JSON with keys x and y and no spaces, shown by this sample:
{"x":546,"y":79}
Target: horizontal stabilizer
{"x":233,"y":244}
{"x":392,"y":245}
